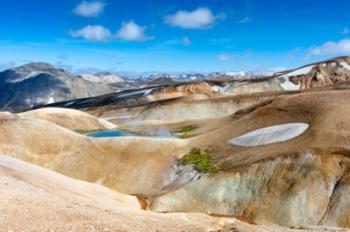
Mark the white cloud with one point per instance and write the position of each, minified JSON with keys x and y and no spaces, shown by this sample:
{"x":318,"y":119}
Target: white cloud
{"x":341,"y":47}
{"x":244,"y":20}
{"x":224,"y":57}
{"x":186,"y":41}
{"x":130,"y":31}
{"x":89,"y":9}
{"x":93,"y":33}
{"x":197,"y":19}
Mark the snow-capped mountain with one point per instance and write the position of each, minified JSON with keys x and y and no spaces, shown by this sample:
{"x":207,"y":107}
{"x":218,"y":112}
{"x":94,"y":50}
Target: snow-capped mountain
{"x":103,"y":77}
{"x":41,"y":83}
{"x":316,"y":74}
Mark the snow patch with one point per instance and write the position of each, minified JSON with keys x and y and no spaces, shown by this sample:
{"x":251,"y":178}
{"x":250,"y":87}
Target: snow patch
{"x":217,"y":88}
{"x":239,"y":74}
{"x":299,"y":72}
{"x":319,"y":76}
{"x":51,"y":100}
{"x":20,"y":79}
{"x":288,"y":85}
{"x":136,"y":93}
{"x":69,"y":103}
{"x":271,"y":134}
{"x":345,"y":65}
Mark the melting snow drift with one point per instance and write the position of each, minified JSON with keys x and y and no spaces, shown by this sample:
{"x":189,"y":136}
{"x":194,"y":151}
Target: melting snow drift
{"x":271,"y":134}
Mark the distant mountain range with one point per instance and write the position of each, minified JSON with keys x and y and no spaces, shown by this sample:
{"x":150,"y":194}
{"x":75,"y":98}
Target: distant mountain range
{"x":34,"y":84}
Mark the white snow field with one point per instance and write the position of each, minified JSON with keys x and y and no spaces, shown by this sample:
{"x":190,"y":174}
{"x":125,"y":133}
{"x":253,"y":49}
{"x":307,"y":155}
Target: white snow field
{"x":271,"y":134}
{"x":345,"y":65}
{"x":299,"y":72}
{"x":287,"y":84}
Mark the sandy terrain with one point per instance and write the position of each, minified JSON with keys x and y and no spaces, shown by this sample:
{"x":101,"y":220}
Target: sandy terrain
{"x":70,"y":119}
{"x":288,"y":176}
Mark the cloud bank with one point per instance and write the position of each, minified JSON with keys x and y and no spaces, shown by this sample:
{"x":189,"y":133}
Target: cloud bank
{"x":341,"y":47}
{"x":129,"y":31}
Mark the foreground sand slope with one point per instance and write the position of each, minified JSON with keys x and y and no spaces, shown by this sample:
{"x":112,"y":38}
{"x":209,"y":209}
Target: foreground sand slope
{"x":36,"y":199}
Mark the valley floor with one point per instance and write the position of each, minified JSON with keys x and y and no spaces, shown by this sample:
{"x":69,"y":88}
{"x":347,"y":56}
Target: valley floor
{"x":272,"y":161}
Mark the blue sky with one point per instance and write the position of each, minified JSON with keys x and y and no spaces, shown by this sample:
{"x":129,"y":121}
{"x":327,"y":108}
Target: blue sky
{"x":181,"y":35}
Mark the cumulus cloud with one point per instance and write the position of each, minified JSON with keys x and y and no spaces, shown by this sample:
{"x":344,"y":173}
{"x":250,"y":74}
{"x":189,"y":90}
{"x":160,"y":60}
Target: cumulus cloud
{"x":341,"y":47}
{"x":89,"y":9}
{"x":186,"y":41}
{"x":197,"y":19}
{"x":130,"y":31}
{"x":93,"y":33}
{"x":224,"y":57}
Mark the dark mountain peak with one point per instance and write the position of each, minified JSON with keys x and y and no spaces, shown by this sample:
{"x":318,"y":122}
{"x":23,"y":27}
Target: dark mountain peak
{"x":31,"y":70}
{"x":39,"y":65}
{"x":36,"y":67}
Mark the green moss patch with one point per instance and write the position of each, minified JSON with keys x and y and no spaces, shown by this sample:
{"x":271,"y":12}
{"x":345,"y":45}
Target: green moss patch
{"x":202,"y":161}
{"x":85,"y":132}
{"x":186,"y":131}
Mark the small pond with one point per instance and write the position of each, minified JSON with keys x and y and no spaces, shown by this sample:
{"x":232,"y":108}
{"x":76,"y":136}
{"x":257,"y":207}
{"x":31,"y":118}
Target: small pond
{"x":121,"y":133}
{"x":109,"y":134}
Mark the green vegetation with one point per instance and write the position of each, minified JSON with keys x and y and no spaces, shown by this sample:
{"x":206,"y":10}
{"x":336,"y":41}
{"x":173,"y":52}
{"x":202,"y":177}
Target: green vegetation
{"x":85,"y":132}
{"x":202,"y":161}
{"x":186,"y":131}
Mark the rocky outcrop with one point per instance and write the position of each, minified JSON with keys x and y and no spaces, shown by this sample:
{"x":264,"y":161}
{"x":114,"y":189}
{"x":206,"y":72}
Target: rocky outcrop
{"x":253,"y":86}
{"x":180,"y":90}
{"x":287,"y":191}
{"x":187,"y":109}
{"x":316,"y":75}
